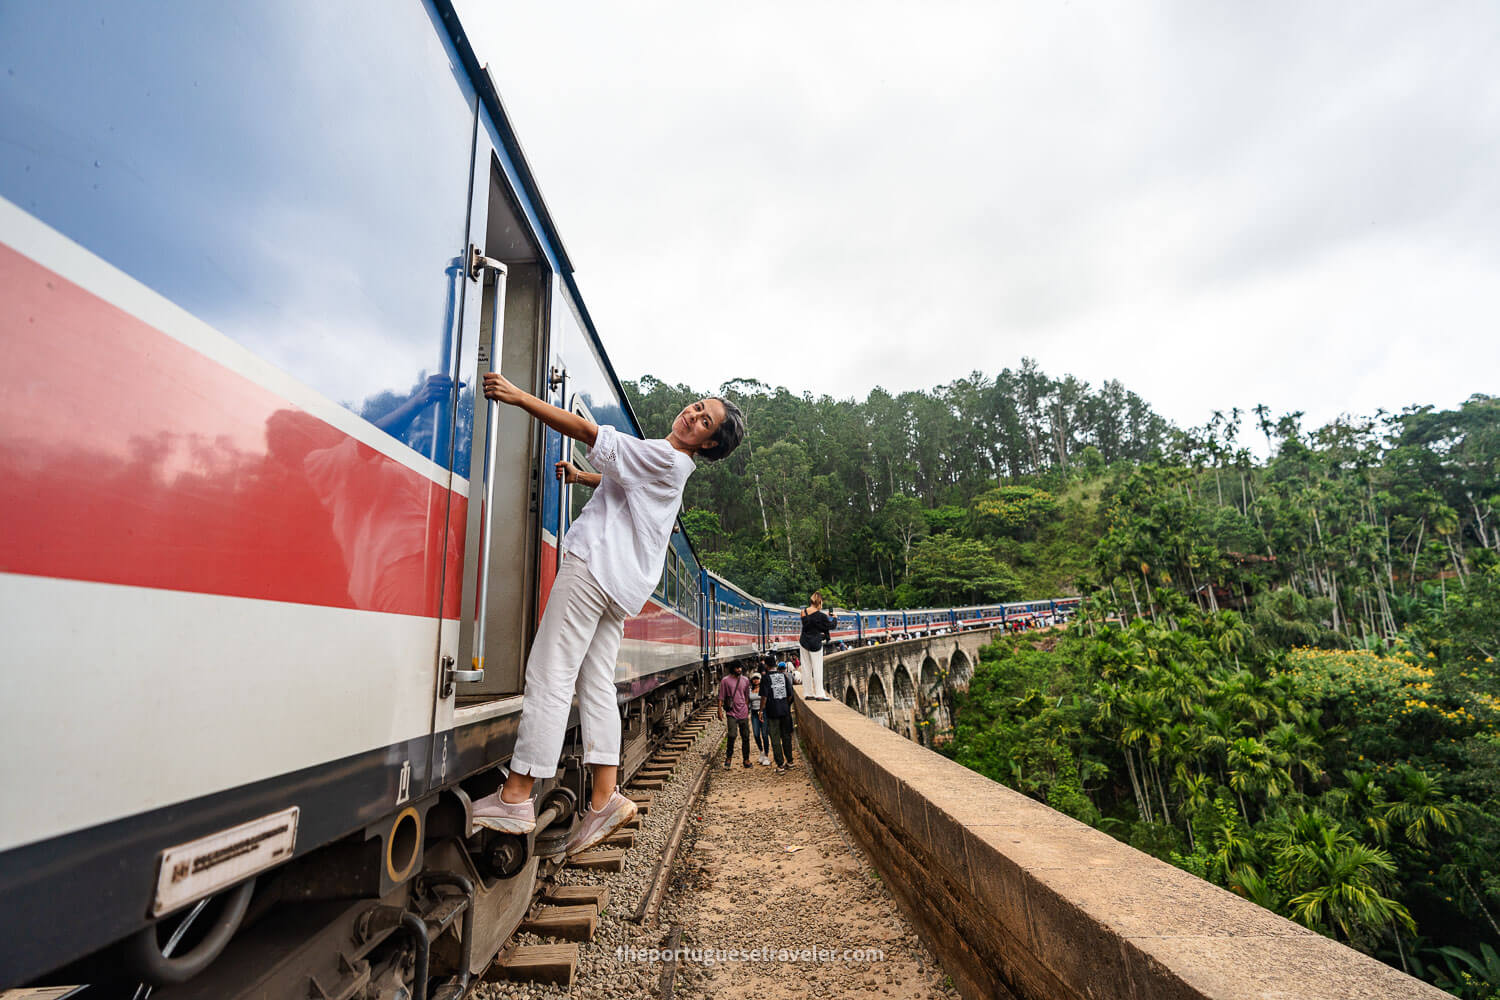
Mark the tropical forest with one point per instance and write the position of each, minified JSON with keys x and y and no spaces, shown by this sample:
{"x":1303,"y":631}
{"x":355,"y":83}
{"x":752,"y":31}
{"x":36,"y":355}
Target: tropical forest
{"x":1282,"y":675}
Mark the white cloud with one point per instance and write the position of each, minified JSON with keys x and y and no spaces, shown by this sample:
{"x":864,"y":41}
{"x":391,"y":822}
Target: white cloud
{"x":1218,"y":205}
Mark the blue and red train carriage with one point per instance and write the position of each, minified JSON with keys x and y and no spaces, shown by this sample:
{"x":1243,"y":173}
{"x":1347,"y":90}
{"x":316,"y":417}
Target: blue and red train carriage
{"x":268,"y":570}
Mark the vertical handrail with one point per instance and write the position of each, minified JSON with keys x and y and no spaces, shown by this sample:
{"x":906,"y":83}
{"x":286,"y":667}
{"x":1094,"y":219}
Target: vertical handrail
{"x":478,"y":264}
{"x":559,"y":380}
{"x":487,"y":493}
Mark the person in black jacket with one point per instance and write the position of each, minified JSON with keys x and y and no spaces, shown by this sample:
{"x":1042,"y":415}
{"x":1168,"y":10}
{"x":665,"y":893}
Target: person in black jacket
{"x":776,"y":708}
{"x":815,"y":628}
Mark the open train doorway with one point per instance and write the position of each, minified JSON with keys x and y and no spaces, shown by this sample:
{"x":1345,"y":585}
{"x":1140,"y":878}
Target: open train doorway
{"x":504,"y":531}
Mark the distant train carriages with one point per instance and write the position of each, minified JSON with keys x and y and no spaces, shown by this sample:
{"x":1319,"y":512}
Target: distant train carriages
{"x":783,"y":626}
{"x":733,"y":625}
{"x":979,"y":616}
{"x":667,"y":633}
{"x":876,"y":626}
{"x":846,"y":631}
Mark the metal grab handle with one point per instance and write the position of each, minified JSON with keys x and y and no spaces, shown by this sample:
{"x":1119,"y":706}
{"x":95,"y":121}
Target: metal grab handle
{"x":487,"y":491}
{"x":557,"y":378}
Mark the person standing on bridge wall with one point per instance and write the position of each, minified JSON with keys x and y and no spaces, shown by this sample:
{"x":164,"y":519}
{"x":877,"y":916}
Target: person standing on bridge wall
{"x":734,"y":698}
{"x":613,"y":558}
{"x":815,"y":628}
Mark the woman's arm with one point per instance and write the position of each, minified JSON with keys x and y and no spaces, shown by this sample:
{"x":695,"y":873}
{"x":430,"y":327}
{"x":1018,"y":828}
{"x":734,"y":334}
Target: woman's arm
{"x":570,"y":473}
{"x":498,"y":388}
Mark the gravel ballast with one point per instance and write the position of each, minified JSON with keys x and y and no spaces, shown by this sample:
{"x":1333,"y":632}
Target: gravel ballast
{"x":771,"y":899}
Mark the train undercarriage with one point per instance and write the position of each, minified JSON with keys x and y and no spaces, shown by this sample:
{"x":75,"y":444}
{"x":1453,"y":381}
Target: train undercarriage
{"x":416,"y":905}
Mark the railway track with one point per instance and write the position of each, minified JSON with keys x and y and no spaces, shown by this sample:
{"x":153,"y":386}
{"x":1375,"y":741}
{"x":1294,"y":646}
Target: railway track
{"x":568,"y":913}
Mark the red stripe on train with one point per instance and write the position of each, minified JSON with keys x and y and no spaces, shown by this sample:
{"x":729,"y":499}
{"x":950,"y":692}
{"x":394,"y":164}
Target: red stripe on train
{"x":127,"y":457}
{"x":655,"y":623}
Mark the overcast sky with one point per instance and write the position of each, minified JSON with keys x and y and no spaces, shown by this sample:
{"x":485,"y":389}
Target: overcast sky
{"x":1219,"y":204}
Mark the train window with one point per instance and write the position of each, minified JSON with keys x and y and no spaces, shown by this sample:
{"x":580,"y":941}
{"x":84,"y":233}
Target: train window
{"x":661,"y":585}
{"x":578,"y":494}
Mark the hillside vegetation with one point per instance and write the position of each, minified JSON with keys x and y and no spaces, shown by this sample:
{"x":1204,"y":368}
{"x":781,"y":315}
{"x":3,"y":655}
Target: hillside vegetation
{"x":1283,"y":674}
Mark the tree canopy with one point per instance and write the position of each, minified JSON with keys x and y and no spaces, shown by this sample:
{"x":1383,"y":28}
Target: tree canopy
{"x":1282,"y":677}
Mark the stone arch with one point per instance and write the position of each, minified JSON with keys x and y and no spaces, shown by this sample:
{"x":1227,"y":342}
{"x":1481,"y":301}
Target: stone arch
{"x":937,"y":701}
{"x":960,"y":669}
{"x":931,"y":668}
{"x":879,"y":705}
{"x":931,"y":681}
{"x":903,"y":702}
{"x":851,"y":696}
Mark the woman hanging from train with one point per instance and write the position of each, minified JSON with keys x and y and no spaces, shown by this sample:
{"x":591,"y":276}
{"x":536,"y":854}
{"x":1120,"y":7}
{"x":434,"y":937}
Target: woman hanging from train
{"x":815,"y":628}
{"x":612,"y":560}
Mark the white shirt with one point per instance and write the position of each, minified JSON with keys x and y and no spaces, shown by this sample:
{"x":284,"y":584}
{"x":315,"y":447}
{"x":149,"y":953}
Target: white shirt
{"x":624,"y":528}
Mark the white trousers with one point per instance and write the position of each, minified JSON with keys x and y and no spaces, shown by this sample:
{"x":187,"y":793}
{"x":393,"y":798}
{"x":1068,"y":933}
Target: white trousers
{"x":575,"y":649}
{"x":812,"y":674}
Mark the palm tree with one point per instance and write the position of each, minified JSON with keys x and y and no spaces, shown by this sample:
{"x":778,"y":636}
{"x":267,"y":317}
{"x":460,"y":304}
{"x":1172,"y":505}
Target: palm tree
{"x":1196,"y":790}
{"x":1361,"y":801}
{"x":1249,"y":769}
{"x":1346,"y":899}
{"x":1421,"y":810}
{"x":1245,"y":695}
{"x":1294,"y":749}
{"x":1144,"y":718}
{"x":1261,"y":891}
{"x":1337,"y":880}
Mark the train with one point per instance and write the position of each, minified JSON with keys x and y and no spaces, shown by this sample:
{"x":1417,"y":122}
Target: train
{"x":270,"y":566}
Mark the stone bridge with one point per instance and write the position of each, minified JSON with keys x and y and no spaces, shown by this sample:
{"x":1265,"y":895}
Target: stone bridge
{"x":907,"y":686}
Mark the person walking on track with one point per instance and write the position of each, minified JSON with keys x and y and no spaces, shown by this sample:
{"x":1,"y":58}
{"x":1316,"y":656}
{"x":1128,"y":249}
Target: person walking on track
{"x":758,"y":721}
{"x":734,"y":698}
{"x":776,"y":702}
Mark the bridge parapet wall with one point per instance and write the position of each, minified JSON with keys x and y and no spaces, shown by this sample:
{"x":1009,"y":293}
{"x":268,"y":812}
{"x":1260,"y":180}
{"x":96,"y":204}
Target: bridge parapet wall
{"x":1021,"y":901}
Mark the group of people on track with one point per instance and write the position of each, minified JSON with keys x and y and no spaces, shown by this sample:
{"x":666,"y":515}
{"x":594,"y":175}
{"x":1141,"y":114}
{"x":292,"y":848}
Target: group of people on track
{"x":762,"y":702}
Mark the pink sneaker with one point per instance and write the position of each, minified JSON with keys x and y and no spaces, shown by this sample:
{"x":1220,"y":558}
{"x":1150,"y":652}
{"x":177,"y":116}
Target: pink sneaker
{"x":597,"y":825}
{"x":494,"y":813}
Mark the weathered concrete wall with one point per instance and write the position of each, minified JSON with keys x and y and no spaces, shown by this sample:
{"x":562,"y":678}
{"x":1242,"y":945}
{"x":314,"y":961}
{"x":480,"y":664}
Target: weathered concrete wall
{"x":1021,"y":901}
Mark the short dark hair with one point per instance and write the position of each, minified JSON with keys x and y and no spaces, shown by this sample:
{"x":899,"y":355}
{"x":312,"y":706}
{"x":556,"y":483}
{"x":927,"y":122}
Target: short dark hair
{"x":730,"y":433}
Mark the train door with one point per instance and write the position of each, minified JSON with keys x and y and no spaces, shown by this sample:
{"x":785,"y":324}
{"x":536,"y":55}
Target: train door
{"x":710,"y":616}
{"x":497,"y":449}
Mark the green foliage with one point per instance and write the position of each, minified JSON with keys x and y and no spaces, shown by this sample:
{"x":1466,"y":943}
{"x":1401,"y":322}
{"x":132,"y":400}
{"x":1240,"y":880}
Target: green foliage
{"x":948,"y":569}
{"x":1464,"y":974}
{"x":1282,"y":677}
{"x":1350,"y":535}
{"x":1340,"y":788}
{"x":842,"y":491}
{"x":1022,"y":725}
{"x":1015,"y":511}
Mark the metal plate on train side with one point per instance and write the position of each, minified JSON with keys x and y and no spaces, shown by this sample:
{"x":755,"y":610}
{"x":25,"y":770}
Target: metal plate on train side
{"x":204,"y":866}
